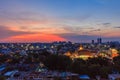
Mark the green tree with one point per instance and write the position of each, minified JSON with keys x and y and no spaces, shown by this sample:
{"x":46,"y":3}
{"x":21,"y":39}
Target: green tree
{"x":93,"y":70}
{"x":105,"y":70}
{"x":3,"y":58}
{"x":79,"y":66}
{"x":116,"y":60}
{"x":99,"y":60}
{"x":2,"y":78}
{"x":58,"y":62}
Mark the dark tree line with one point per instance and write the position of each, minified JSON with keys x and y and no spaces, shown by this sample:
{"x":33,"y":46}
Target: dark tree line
{"x":93,"y":66}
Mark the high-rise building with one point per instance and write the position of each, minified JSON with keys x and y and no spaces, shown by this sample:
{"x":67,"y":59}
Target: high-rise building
{"x":93,"y":41}
{"x":99,"y":40}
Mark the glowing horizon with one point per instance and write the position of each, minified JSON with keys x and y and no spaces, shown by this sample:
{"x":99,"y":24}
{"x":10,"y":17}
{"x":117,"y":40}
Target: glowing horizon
{"x":55,"y":20}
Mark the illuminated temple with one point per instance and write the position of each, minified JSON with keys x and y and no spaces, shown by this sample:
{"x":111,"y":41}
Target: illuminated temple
{"x":86,"y":53}
{"x":80,"y":53}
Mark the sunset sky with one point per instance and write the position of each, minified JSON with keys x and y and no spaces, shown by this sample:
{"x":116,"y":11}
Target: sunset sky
{"x":59,"y":20}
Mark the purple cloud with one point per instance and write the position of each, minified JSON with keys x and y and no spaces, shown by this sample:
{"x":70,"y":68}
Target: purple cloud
{"x":6,"y":32}
{"x":86,"y":38}
{"x":117,"y":27}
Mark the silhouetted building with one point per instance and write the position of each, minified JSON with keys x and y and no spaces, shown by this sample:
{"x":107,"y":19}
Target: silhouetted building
{"x":99,"y":40}
{"x":93,"y":41}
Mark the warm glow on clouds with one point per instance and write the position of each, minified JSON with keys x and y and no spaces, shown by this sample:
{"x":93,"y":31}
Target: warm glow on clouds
{"x":72,"y":20}
{"x":113,"y":34}
{"x":34,"y":38}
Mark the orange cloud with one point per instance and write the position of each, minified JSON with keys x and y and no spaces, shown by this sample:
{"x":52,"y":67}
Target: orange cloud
{"x":114,"y":34}
{"x":34,"y":38}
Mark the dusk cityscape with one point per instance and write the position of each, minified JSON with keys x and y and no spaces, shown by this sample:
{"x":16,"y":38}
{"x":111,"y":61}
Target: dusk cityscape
{"x":59,"y":40}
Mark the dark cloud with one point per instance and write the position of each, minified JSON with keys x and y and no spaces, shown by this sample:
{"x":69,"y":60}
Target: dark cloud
{"x":91,"y":31}
{"x":23,"y":27}
{"x":78,"y":38}
{"x":33,"y":28}
{"x":6,"y":32}
{"x":106,"y":24}
{"x":80,"y":29}
{"x":86,"y":38}
{"x":117,"y":27}
{"x":75,"y":18}
{"x":95,"y":30}
{"x":73,"y":28}
{"x":22,"y":16}
{"x":111,"y":39}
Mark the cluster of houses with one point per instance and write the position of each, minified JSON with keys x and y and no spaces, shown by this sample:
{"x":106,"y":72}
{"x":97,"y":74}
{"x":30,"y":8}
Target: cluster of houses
{"x":74,"y":50}
{"x":104,"y":49}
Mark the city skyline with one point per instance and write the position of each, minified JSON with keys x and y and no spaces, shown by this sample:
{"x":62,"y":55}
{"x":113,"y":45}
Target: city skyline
{"x":59,"y":20}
